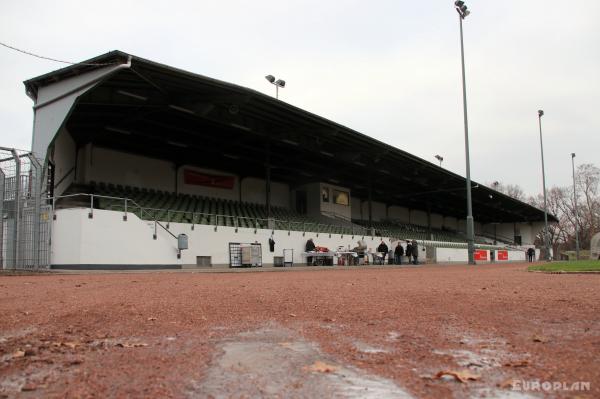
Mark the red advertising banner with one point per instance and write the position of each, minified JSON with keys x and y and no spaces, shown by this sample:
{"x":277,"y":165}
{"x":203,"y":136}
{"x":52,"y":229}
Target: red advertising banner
{"x":204,"y":179}
{"x":502,"y":254}
{"x":481,"y":254}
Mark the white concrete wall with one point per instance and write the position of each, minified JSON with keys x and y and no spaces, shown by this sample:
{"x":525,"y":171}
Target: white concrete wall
{"x":443,"y":255}
{"x":64,"y":157}
{"x":204,"y":241}
{"x":516,"y":256}
{"x":460,"y":255}
{"x":107,"y":240}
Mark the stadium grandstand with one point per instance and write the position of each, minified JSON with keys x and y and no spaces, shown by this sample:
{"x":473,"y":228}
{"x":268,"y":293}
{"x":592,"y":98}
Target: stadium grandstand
{"x":142,"y":165}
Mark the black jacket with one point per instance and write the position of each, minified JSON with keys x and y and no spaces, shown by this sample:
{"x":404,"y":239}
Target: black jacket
{"x":382,"y":248}
{"x":399,"y":251}
{"x":415,"y":250}
{"x":310,"y":246}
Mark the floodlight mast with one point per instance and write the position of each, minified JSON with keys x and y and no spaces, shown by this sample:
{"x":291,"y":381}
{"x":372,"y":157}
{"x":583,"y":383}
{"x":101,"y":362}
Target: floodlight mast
{"x":546,"y":235}
{"x":440,"y":159}
{"x":575,"y":208}
{"x":463,"y":12}
{"x":277,"y":83}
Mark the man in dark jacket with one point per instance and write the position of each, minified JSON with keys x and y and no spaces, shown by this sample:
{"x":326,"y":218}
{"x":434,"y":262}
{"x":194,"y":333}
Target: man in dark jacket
{"x":408,"y":251}
{"x":398,"y":253}
{"x":384,"y":250}
{"x":415,"y":252}
{"x":530,"y":254}
{"x":310,"y":247}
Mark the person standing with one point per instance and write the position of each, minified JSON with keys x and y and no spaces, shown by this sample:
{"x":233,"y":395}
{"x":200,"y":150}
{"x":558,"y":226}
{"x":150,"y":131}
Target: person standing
{"x":415,"y":252}
{"x":310,"y":247}
{"x":398,"y":253}
{"x":383,"y":249}
{"x":530,"y":254}
{"x":408,"y":251}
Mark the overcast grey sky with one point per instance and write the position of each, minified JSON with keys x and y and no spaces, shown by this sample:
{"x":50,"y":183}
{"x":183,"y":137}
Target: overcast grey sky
{"x":387,"y":68}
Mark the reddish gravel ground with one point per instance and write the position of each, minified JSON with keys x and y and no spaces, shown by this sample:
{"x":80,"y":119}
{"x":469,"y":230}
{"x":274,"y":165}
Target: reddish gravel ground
{"x":157,"y":334}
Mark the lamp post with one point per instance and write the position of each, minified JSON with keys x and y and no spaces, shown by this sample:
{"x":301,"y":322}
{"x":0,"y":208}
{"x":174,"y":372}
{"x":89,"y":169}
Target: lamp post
{"x":546,"y":238}
{"x":278,"y":83}
{"x":575,"y":208}
{"x":439,"y":158}
{"x":463,"y":12}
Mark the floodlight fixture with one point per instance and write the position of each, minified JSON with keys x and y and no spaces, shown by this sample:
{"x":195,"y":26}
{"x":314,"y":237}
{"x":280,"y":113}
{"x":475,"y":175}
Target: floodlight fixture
{"x":277,"y":83}
{"x":440,"y":159}
{"x":462,"y":9}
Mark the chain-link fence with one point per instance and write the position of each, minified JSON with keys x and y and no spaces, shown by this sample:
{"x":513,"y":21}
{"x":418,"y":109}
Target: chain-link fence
{"x":25,"y":222}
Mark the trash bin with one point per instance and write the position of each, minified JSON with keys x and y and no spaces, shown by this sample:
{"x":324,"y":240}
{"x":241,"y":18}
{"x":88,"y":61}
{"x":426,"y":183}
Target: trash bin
{"x":182,"y":241}
{"x":278,"y":261}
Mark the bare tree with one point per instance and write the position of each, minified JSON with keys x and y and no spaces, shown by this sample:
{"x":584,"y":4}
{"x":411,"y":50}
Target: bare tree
{"x":561,"y":203}
{"x":587,"y":182}
{"x":512,"y":190}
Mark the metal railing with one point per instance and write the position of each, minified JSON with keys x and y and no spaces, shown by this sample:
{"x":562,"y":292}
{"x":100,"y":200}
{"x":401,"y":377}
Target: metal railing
{"x":127,"y":205}
{"x":126,"y":201}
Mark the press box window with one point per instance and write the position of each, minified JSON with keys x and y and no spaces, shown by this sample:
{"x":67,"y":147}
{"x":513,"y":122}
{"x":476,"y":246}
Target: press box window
{"x":341,"y":198}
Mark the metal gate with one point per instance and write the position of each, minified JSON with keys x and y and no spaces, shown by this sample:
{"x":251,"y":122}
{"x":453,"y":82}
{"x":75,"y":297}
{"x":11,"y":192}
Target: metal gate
{"x":25,"y":217}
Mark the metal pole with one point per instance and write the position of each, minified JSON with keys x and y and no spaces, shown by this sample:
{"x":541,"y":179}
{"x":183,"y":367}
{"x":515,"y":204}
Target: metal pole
{"x":17,"y":208}
{"x":575,"y":208}
{"x":277,"y":92}
{"x":470,"y":222}
{"x":546,"y":237}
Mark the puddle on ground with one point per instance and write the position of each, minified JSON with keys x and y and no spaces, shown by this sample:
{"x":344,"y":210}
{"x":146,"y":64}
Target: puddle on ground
{"x":275,"y":362}
{"x":466,"y":358}
{"x":366,"y":348}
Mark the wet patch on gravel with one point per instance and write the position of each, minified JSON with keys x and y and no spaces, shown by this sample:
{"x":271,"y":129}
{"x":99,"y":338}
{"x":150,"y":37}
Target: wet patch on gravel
{"x":276,"y":362}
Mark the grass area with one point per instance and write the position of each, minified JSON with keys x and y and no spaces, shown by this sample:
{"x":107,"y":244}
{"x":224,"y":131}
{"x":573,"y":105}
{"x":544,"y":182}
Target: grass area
{"x":573,"y":266}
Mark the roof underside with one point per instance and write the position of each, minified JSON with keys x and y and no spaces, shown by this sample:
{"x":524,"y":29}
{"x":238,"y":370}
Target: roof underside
{"x":158,"y":111}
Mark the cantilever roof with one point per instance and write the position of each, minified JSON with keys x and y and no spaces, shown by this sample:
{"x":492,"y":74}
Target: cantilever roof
{"x":188,"y":118}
